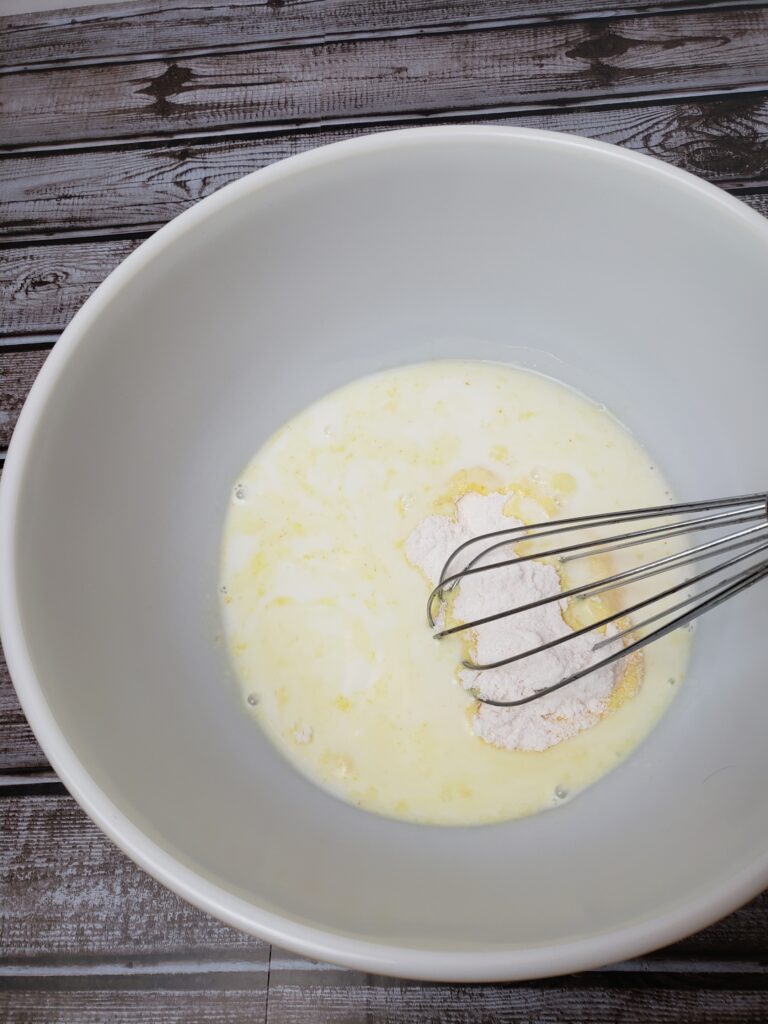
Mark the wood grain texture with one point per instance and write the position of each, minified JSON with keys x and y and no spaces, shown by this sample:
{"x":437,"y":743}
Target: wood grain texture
{"x":75,"y":1006}
{"x":42,"y":287}
{"x":17,"y":373}
{"x":411,"y":74}
{"x":142,"y":187}
{"x":651,"y":999}
{"x":67,"y":892}
{"x":140,"y":27}
{"x":595,"y":999}
{"x":19,"y":750}
{"x":758,"y":201}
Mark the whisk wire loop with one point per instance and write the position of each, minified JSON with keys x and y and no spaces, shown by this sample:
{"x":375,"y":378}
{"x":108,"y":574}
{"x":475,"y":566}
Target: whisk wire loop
{"x":720,"y":513}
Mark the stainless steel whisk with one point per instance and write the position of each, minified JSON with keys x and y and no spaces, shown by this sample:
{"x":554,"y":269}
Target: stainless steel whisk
{"x":722,"y":513}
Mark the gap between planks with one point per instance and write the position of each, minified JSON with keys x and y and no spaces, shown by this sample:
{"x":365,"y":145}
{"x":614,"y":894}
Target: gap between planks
{"x":395,"y":119}
{"x":282,"y":963}
{"x":446,"y":1004}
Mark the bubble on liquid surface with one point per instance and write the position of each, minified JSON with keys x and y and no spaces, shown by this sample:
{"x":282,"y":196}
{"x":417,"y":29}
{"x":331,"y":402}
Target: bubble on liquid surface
{"x":253,"y":699}
{"x":561,"y":792}
{"x":240,"y":492}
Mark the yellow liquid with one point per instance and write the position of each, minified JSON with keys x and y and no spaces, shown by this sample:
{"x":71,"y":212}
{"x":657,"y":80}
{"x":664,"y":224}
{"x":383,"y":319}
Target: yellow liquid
{"x":325,"y":617}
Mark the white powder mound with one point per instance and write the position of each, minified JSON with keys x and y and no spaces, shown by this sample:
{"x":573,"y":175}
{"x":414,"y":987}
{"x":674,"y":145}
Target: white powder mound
{"x":551,"y":719}
{"x":303,"y":733}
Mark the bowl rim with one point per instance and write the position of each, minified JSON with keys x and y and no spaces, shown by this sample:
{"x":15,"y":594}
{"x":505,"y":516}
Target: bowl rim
{"x":478,"y":965}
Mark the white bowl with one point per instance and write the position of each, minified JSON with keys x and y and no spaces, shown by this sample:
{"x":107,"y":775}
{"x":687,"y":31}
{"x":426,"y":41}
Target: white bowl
{"x":635,"y":282}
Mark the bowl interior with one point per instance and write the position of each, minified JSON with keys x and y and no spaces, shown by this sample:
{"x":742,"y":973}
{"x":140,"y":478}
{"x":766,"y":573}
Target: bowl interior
{"x":628,"y":281}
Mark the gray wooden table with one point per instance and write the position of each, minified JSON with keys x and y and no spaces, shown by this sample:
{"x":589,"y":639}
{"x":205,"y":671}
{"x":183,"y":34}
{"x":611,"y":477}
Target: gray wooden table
{"x":114,"y":119}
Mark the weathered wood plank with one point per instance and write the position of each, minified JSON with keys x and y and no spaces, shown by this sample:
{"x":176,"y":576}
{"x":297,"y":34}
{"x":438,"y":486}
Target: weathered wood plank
{"x":66,"y":1005}
{"x":141,"y":27}
{"x":17,"y":373}
{"x":19,"y":750}
{"x":742,"y":935}
{"x":652,"y":1000}
{"x":42,"y":287}
{"x":411,"y":74}
{"x":599,"y":999}
{"x":141,"y":187}
{"x":544,"y":1003}
{"x":66,"y":891}
{"x":758,"y":201}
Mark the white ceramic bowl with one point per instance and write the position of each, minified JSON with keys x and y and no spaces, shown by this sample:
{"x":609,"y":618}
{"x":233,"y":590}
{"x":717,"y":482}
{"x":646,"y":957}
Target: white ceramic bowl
{"x":635,"y":282}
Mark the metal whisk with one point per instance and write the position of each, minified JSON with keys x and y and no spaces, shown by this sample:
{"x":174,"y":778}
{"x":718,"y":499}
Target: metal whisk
{"x":722,"y":514}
